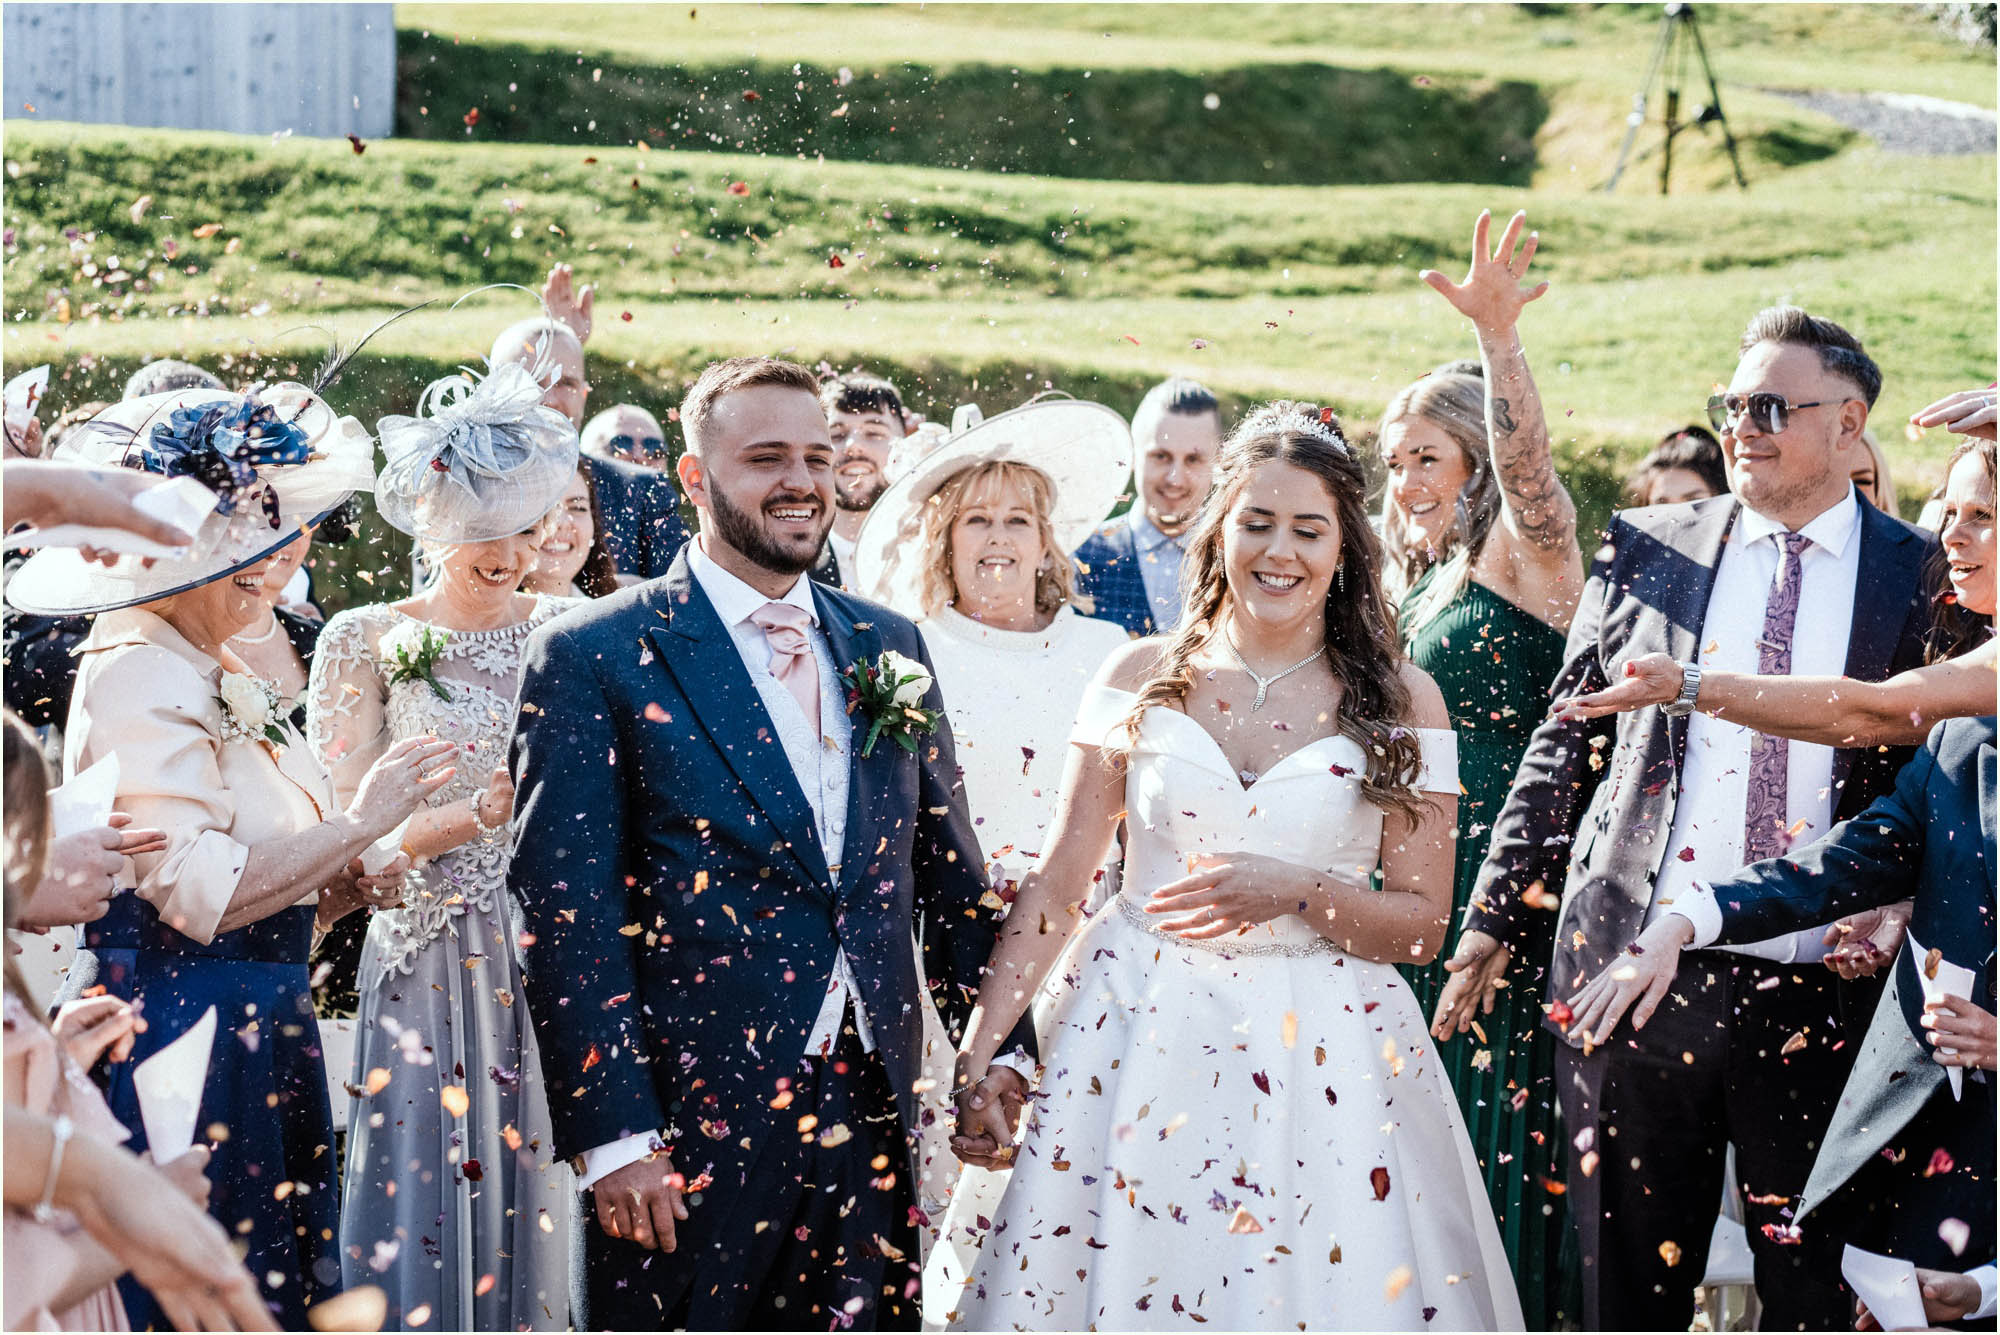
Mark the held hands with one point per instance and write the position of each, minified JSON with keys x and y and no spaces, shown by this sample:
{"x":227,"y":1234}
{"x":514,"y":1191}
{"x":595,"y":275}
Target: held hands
{"x":1642,"y":975}
{"x":1496,"y":289}
{"x":641,"y":1203}
{"x":1650,"y":679}
{"x":1947,"y":1297}
{"x":1961,"y":1033}
{"x":1230,"y":893}
{"x":988,"y":1114}
{"x":82,"y":874}
{"x":1969,"y":413}
{"x":1862,"y":943}
{"x":1478,"y":970}
{"x":397,"y":784}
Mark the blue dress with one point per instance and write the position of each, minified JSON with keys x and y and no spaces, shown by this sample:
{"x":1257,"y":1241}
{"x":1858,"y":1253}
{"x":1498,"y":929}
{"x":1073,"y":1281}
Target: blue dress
{"x":264,"y":1112}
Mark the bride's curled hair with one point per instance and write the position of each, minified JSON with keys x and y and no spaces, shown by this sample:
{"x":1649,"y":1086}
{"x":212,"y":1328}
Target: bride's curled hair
{"x":1361,"y":643}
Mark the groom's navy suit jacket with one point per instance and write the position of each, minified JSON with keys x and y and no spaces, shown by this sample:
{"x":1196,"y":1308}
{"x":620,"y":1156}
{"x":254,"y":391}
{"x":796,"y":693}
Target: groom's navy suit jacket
{"x":684,"y":919}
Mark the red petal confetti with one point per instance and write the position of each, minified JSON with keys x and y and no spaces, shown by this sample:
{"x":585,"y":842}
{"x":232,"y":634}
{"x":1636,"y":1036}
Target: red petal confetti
{"x":473,"y":1171}
{"x":1940,"y":1162}
{"x":1561,"y":1014}
{"x":1332,"y":1099}
{"x":626,"y":316}
{"x":1378,"y":1178}
{"x":355,"y":141}
{"x":592,"y":1057}
{"x":1133,"y":341}
{"x":739,"y":187}
{"x":1685,"y":855}
{"x":752,"y":95}
{"x":1261,"y":1080}
{"x":1553,"y":1187}
{"x":1326,"y":416}
{"x":835,"y":262}
{"x":472,"y":118}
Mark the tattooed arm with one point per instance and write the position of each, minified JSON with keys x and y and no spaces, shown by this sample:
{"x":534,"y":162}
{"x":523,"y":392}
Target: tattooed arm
{"x":1538,"y":518}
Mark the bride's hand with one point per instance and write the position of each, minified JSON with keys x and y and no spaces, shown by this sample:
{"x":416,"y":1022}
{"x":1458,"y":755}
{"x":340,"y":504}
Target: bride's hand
{"x":1232,"y":892}
{"x":988,"y":1113}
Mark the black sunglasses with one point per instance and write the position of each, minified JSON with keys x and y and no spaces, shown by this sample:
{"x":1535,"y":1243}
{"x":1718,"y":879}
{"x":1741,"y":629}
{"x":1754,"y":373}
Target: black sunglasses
{"x":638,"y":444}
{"x":1768,"y":412}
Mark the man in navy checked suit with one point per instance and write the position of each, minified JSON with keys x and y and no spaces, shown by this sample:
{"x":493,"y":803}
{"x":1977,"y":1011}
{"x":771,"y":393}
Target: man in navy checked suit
{"x":1132,"y":566}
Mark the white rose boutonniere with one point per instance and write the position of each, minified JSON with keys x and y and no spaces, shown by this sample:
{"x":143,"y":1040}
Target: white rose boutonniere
{"x":252,"y":709}
{"x":412,"y":651}
{"x":889,"y":692}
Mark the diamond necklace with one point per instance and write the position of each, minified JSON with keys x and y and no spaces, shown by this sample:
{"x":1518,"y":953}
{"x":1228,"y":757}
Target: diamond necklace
{"x":1264,"y":684}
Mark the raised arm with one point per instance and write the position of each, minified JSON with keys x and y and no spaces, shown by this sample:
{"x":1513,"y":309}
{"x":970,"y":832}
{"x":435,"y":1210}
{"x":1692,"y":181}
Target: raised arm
{"x":1833,"y":711}
{"x":1537,"y":512}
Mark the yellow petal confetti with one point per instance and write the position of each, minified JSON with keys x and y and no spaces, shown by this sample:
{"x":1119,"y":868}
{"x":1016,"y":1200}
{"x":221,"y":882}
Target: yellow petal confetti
{"x":1399,"y":1279}
{"x":454,"y":1099}
{"x":1288,"y":1031}
{"x":378,"y":1080}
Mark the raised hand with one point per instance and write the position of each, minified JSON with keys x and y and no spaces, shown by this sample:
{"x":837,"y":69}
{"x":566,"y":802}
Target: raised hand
{"x":566,"y":304}
{"x":1496,"y":289}
{"x":1476,"y":972}
{"x":1650,"y":679}
{"x":1969,"y":412}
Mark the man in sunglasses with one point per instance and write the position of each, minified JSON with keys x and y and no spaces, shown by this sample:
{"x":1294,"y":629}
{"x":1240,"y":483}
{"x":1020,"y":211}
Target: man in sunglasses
{"x":626,"y":434}
{"x":1793,"y":573}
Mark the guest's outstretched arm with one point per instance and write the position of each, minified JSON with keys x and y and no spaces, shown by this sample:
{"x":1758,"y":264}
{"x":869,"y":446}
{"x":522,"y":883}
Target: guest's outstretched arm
{"x":1833,"y":711}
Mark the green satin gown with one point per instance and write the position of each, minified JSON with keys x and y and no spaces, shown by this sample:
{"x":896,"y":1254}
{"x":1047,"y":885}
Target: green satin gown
{"x":1495,"y":663}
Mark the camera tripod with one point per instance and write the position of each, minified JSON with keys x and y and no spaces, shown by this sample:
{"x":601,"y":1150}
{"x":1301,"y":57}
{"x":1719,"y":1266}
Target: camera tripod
{"x":1680,"y":39}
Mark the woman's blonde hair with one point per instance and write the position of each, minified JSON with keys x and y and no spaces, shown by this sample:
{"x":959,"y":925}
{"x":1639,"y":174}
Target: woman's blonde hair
{"x":1453,"y":400}
{"x":1362,"y":648}
{"x":24,"y":787}
{"x":1885,"y":482}
{"x":1055,"y":582}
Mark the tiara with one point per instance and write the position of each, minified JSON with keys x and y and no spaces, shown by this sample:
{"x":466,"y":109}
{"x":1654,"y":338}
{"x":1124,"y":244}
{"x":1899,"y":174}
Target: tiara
{"x":1320,"y":427}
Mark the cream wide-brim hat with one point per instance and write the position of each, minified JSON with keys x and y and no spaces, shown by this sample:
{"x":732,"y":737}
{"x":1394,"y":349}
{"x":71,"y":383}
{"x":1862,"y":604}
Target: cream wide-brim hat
{"x":57,"y":581}
{"x":1084,"y":448}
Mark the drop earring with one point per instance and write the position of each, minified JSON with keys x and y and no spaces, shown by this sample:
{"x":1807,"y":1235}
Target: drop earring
{"x":1340,"y":578}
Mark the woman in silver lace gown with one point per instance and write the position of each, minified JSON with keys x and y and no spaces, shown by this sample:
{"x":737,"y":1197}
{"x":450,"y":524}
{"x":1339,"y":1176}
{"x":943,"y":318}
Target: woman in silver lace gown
{"x":450,"y":1201}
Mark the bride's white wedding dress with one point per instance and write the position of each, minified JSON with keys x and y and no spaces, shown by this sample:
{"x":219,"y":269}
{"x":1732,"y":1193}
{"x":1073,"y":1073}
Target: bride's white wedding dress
{"x":1251,"y":1134}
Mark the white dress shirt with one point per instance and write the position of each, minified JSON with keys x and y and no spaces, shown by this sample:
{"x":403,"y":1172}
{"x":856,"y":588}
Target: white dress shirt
{"x":1706,"y":842}
{"x":1160,"y":558}
{"x":822,"y":766}
{"x":843,"y":557}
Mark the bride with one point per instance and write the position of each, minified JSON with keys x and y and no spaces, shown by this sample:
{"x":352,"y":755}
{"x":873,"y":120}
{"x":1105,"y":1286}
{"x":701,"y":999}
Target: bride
{"x":1242,"y":1121}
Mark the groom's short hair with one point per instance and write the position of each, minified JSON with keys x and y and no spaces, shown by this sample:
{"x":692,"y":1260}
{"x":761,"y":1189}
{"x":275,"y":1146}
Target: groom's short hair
{"x":726,"y":377}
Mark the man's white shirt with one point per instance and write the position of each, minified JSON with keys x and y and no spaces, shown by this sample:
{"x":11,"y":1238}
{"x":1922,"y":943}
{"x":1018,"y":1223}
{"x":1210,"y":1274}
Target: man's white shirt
{"x":1706,"y":842}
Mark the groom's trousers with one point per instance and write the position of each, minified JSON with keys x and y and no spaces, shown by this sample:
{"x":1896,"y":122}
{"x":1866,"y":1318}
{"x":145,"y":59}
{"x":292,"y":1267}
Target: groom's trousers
{"x":1742,"y":1051}
{"x":820,"y":1236}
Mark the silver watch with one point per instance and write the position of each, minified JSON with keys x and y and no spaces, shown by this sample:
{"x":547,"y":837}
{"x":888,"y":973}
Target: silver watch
{"x":1683,"y":704}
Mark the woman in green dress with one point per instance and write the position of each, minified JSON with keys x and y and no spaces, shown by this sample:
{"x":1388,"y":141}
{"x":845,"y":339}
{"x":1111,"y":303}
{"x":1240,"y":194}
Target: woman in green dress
{"x":1481,"y":551}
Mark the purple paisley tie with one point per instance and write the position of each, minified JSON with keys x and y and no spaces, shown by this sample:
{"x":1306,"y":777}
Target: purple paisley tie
{"x":1764,"y":811}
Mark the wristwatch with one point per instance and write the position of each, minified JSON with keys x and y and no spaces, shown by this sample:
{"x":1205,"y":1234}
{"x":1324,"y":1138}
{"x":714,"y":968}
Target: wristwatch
{"x":1683,"y":704}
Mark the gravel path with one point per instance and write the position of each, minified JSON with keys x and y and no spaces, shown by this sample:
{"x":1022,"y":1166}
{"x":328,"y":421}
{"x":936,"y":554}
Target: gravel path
{"x":1904,"y":122}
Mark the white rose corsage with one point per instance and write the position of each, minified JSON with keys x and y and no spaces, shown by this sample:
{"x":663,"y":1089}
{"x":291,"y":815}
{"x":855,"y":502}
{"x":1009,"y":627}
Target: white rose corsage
{"x":412,"y":651}
{"x":889,"y":693}
{"x":252,"y":710}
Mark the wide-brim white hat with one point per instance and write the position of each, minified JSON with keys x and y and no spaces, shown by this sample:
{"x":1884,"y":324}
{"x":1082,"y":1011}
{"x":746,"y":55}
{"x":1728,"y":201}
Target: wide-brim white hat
{"x":1084,"y":448}
{"x":279,"y":501}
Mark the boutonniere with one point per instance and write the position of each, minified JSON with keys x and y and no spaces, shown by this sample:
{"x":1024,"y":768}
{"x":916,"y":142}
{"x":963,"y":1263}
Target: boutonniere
{"x":252,"y":710}
{"x":889,"y":693}
{"x":412,"y":651}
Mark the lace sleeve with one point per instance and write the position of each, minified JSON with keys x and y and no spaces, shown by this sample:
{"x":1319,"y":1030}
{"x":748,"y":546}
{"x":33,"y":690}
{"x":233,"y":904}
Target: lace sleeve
{"x":345,"y":716}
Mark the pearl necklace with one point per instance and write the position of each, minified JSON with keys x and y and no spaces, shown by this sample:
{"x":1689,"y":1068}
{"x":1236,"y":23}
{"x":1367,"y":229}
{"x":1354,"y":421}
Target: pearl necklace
{"x":265,"y":638}
{"x":1264,"y":684}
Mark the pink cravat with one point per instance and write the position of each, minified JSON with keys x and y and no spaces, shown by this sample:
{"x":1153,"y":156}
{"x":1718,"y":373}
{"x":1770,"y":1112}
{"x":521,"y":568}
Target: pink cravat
{"x":792,"y":660}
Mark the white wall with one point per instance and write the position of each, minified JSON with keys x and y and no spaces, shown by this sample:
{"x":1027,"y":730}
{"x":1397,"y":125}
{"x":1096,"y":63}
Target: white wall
{"x":322,"y":70}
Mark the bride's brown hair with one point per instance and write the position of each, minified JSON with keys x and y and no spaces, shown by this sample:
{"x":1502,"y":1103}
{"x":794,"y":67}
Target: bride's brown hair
{"x":1361,"y":642}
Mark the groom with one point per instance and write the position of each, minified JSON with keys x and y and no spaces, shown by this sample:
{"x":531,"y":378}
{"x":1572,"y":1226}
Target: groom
{"x":720,"y":894}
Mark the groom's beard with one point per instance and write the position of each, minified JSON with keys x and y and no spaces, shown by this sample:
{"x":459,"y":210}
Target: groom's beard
{"x":740,"y":529}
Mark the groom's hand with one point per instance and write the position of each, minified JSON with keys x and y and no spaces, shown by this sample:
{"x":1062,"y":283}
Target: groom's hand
{"x":988,"y":1113}
{"x":640,"y":1203}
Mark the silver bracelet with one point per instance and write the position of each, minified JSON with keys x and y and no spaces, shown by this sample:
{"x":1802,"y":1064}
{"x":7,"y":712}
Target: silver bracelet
{"x":61,"y":1129}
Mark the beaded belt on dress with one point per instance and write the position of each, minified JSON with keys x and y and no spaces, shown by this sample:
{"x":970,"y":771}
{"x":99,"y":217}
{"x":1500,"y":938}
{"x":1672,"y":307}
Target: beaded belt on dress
{"x":1227,"y":946}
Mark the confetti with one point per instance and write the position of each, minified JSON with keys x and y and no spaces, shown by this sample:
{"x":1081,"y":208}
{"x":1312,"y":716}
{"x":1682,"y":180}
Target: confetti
{"x":1670,"y":1252}
{"x":1378,"y":1178}
{"x":207,"y":230}
{"x":354,"y":142}
{"x":471,"y":118}
{"x":739,"y":187}
{"x":455,"y":1100}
